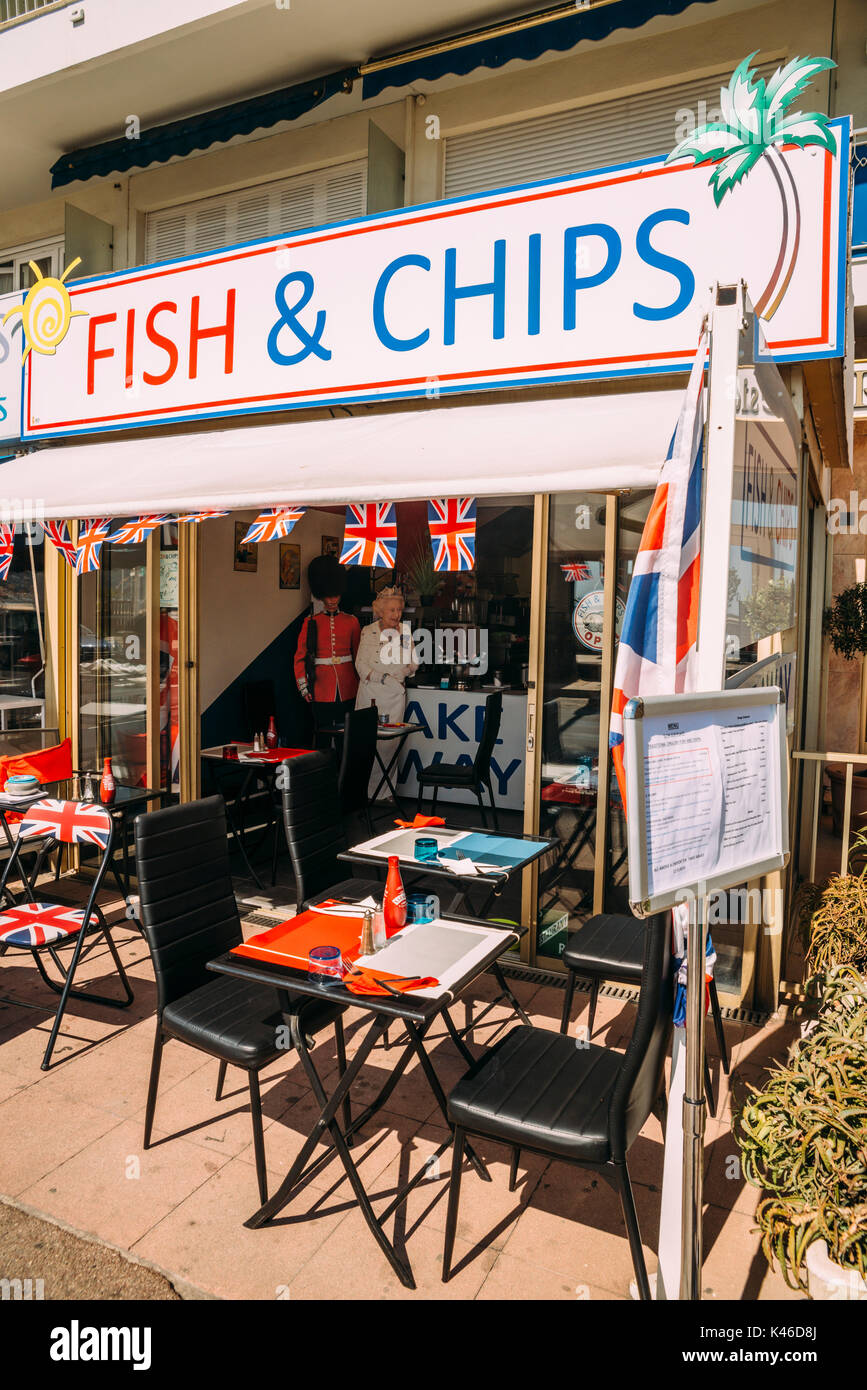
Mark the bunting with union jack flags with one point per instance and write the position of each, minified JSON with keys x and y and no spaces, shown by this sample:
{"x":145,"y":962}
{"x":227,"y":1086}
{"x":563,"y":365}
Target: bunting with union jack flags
{"x":198,"y":516}
{"x":452,"y":525}
{"x":576,"y":571}
{"x":273,"y":524}
{"x":135,"y":531}
{"x":71,"y":822}
{"x":91,"y":534}
{"x":7,"y":547}
{"x":58,"y":533}
{"x":370,"y":535}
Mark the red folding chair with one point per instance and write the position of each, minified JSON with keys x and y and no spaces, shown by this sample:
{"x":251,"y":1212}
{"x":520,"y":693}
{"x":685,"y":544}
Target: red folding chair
{"x":46,"y":927}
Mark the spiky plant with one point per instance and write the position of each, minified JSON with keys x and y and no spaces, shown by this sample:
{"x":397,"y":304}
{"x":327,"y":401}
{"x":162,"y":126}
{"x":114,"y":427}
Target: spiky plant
{"x":756,"y":121}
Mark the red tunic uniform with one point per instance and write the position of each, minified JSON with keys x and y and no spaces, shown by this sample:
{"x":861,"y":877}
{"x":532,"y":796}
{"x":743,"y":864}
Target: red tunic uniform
{"x":337,"y":638}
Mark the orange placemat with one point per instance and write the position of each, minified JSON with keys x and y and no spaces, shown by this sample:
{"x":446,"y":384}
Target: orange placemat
{"x":290,"y":943}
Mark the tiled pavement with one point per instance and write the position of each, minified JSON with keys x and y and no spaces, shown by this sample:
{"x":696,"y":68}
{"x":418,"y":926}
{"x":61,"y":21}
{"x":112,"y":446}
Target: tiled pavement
{"x":70,"y":1147}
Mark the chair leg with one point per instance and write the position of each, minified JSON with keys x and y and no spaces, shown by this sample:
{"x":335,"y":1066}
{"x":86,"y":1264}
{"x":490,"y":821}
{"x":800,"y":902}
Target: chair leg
{"x":493,"y":803}
{"x":708,"y":1088}
{"x":630,"y":1216}
{"x":258,"y":1137}
{"x":567,"y":1002}
{"x":594,"y":995}
{"x":482,"y":810}
{"x":153,"y":1083}
{"x":718,"y":1027}
{"x":275,"y":855}
{"x":419,"y":798}
{"x":454,"y":1199}
{"x":340,"y":1039}
{"x":513,"y":1169}
{"x":433,"y":805}
{"x":221,"y":1076}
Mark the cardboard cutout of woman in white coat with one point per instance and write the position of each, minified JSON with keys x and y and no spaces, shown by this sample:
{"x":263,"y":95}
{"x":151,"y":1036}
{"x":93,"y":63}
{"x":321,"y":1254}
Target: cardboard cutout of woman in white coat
{"x":385,"y":658}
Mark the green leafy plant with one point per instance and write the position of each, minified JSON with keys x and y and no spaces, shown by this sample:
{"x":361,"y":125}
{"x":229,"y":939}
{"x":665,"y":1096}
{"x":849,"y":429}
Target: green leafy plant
{"x":846,"y":622}
{"x":421,"y":572}
{"x":833,"y":920}
{"x":803,"y":1138}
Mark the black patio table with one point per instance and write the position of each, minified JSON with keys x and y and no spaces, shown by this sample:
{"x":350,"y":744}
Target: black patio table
{"x":128,"y":803}
{"x":377,"y":850}
{"x":417,"y":1012}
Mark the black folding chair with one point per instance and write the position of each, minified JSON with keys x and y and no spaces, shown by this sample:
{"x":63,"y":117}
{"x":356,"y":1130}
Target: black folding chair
{"x":189,"y":916}
{"x":537,"y":1090}
{"x":356,"y":763}
{"x":475,"y":777}
{"x":43,"y":927}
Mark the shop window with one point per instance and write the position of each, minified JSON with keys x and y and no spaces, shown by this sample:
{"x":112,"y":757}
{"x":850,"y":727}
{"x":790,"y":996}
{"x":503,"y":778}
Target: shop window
{"x":15,"y":270}
{"x":112,"y":639}
{"x":22,"y":633}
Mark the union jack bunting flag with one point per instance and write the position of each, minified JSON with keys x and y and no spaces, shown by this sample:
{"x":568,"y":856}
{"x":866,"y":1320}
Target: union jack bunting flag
{"x":7,"y":546}
{"x":58,"y":533}
{"x":198,"y":516}
{"x":273,"y":524}
{"x":71,"y":822}
{"x":452,"y":525}
{"x":576,"y":571}
{"x":91,"y":534}
{"x":39,"y":924}
{"x":135,"y":531}
{"x":370,"y":535}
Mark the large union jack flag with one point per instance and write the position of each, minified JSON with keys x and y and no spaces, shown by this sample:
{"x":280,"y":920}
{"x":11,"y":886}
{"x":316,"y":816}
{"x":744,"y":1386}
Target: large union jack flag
{"x":39,"y":924}
{"x":91,"y":534}
{"x":452,"y":525}
{"x":135,"y":531}
{"x":7,"y":547}
{"x":576,"y":570}
{"x":273,"y":524}
{"x":370,"y":535}
{"x":656,"y":655}
{"x":71,"y":822}
{"x":198,"y":516}
{"x":58,"y":533}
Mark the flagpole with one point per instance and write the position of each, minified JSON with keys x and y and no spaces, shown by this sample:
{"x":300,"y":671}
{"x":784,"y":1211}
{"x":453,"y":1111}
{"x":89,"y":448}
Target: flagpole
{"x":694,"y":1109}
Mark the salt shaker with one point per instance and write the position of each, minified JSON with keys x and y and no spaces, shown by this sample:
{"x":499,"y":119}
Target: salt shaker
{"x":367,"y":946}
{"x":379,"y":936}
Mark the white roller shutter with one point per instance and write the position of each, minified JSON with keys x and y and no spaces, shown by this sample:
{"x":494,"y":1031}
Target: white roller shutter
{"x":591,"y":137}
{"x":268,"y":209}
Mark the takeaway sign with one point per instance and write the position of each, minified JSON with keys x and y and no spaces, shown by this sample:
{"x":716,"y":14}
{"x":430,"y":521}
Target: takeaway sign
{"x":603,"y":274}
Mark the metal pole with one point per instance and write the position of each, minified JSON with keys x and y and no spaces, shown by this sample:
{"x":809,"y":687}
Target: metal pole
{"x":694,"y":1105}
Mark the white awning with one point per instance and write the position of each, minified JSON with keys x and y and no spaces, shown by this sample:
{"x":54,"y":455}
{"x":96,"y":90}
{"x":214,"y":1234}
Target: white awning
{"x":576,"y":443}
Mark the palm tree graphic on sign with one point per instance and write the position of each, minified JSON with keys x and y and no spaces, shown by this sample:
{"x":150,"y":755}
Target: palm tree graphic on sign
{"x":756,"y":122}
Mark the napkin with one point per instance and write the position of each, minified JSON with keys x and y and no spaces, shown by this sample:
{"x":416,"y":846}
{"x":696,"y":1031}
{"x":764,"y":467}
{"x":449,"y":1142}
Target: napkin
{"x":420,"y":822}
{"x":368,"y":983}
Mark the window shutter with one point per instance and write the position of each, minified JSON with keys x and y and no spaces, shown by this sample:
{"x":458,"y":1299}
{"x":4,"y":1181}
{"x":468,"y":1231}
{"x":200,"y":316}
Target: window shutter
{"x":250,"y":214}
{"x":569,"y":142}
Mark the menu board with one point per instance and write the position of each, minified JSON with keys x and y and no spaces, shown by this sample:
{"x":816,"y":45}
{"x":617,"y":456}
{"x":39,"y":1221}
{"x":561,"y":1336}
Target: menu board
{"x":706,"y":792}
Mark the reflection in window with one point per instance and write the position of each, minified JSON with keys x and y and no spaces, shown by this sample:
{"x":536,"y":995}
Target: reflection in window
{"x":22,"y":643}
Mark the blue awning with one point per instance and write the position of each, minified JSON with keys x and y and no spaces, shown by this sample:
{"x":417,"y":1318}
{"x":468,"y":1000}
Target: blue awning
{"x":192,"y":133}
{"x":527,"y":43}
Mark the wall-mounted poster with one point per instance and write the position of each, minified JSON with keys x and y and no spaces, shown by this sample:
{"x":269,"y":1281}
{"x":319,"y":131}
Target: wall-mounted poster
{"x":290,"y":565}
{"x":246,"y":556}
{"x":330,"y":545}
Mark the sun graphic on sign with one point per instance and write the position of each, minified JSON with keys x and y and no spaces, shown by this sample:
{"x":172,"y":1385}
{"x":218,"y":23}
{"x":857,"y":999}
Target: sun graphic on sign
{"x":46,"y":311}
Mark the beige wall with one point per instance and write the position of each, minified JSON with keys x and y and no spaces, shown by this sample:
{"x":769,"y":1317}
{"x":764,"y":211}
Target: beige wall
{"x":625,"y":63}
{"x":240,"y":614}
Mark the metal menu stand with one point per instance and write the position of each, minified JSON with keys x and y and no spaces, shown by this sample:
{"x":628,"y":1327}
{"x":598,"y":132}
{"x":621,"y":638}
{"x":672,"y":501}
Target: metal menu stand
{"x":707,"y":795}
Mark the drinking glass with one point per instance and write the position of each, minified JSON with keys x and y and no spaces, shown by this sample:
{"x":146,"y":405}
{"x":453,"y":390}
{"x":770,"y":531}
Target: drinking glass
{"x":324,"y":963}
{"x":426,"y":849}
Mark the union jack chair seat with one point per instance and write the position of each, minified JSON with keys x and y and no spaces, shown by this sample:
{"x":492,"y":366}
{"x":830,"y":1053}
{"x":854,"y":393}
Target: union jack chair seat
{"x":43,"y":927}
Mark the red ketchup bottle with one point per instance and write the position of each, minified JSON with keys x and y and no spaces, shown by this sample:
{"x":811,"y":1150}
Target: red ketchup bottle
{"x":107,"y":786}
{"x":271,"y":735}
{"x":394,"y":900}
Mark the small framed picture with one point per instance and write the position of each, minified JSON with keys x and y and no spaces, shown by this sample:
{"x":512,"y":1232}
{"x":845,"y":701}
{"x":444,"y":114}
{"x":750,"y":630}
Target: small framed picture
{"x":246,"y":556}
{"x":290,"y":565}
{"x":330,"y":545}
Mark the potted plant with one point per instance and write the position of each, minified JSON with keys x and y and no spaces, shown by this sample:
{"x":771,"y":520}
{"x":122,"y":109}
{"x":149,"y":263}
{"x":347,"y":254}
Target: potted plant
{"x":803,"y":1141}
{"x":422,"y":575}
{"x":833,"y":919}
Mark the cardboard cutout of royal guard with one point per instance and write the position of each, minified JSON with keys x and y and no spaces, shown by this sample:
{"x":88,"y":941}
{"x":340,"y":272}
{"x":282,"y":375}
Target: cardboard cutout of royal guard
{"x":327,"y":646}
